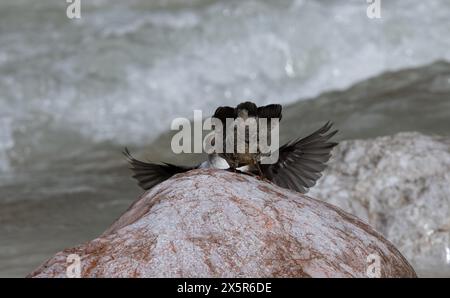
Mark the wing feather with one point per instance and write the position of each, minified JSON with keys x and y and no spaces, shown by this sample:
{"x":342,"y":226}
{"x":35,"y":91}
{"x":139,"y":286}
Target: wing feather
{"x":151,"y":174}
{"x":270,"y":111}
{"x":301,"y":161}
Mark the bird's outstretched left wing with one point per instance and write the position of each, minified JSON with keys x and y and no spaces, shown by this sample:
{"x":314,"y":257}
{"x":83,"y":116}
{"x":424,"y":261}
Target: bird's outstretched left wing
{"x":222,"y":113}
{"x":301,"y":161}
{"x":150,"y":174}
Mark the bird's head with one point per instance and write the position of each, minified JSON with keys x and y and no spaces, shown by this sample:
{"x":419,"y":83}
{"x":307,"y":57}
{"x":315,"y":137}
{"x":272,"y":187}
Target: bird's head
{"x":246,"y":110}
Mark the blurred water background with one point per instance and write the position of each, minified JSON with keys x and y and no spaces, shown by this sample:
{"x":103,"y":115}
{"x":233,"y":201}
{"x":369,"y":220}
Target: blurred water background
{"x":73,"y":93}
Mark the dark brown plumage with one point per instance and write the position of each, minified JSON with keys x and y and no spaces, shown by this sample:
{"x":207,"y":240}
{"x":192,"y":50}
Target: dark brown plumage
{"x":301,"y":161}
{"x":149,"y":174}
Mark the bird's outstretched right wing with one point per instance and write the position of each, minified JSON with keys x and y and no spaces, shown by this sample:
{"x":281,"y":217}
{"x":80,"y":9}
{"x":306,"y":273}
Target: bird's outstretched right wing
{"x":270,"y":111}
{"x":301,"y":161}
{"x":150,"y":174}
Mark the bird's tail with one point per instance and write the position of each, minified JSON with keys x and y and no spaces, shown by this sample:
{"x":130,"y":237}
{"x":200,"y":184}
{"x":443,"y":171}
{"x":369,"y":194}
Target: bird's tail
{"x":150,"y":174}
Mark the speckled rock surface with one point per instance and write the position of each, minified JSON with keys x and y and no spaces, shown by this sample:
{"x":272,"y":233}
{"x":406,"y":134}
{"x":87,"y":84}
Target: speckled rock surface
{"x":401,"y":185}
{"x":213,"y":223}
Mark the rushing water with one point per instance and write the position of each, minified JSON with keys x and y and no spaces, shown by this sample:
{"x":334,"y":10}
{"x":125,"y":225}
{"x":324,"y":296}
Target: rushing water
{"x":74,"y":92}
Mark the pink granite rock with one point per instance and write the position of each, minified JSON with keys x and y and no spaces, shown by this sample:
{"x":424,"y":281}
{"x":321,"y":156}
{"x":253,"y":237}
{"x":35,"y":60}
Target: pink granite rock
{"x":213,"y":223}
